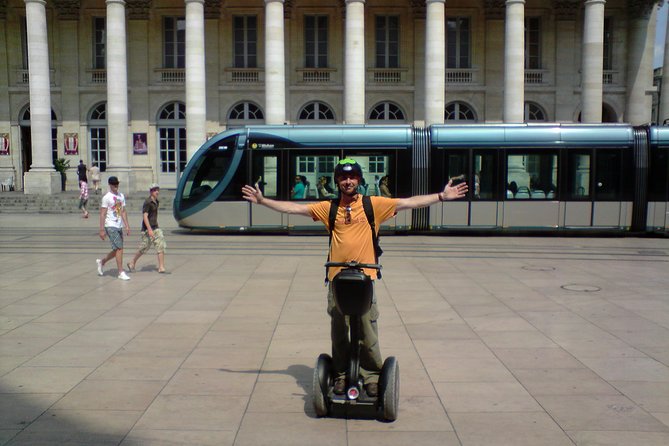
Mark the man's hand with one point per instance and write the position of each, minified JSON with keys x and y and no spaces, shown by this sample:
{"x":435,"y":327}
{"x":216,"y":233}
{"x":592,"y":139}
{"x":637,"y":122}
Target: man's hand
{"x":102,"y":234}
{"x":252,"y":194}
{"x":454,"y":192}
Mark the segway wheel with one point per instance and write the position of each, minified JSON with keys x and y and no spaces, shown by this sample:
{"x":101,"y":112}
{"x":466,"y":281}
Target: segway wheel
{"x":389,"y":390}
{"x":321,"y":384}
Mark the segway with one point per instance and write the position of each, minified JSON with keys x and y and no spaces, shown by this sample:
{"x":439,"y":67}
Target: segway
{"x":353,"y":293}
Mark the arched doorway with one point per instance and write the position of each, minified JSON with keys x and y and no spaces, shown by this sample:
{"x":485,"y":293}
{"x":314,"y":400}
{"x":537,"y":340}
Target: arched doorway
{"x":26,"y":139}
{"x":172,"y":152}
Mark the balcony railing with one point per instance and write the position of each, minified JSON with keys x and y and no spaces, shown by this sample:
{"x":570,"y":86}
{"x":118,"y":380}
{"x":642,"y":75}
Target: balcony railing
{"x":610,"y":77}
{"x":387,"y":76}
{"x":315,"y":75}
{"x":98,"y":75}
{"x":244,"y":75}
{"x":172,"y":75}
{"x":534,"y":77}
{"x":460,"y":75}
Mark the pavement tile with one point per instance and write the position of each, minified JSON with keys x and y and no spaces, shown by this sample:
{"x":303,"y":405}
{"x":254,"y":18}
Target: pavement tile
{"x":508,"y":429}
{"x":516,"y":339}
{"x":133,"y":395}
{"x":363,"y":438}
{"x":81,"y":356}
{"x":282,"y":397}
{"x":287,"y":370}
{"x":229,"y":358}
{"x":599,"y":413}
{"x":416,"y":414}
{"x":559,"y":381}
{"x":25,"y":379}
{"x":537,"y":358}
{"x":9,"y":363}
{"x":135,"y":367}
{"x":211,"y":382}
{"x":194,"y":412}
{"x":650,"y":396}
{"x":618,"y":438}
{"x":156,"y":437}
{"x":19,"y":410}
{"x":159,"y":347}
{"x":467,"y":370}
{"x":628,"y":369}
{"x":259,"y":429}
{"x":486,"y":397}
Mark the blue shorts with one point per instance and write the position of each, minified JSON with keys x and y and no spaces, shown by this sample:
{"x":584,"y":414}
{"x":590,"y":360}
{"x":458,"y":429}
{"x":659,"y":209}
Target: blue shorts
{"x":115,"y":237}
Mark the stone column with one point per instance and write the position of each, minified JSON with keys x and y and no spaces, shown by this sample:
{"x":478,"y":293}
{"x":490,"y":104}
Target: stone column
{"x":638,"y":109}
{"x":566,"y":68}
{"x":664,"y":89}
{"x":118,"y":141}
{"x":435,"y":62}
{"x":42,"y":178}
{"x":275,"y":63}
{"x":7,"y":163}
{"x":494,"y":61}
{"x":354,"y":64}
{"x":592,"y":65}
{"x":514,"y":61}
{"x":196,"y":97}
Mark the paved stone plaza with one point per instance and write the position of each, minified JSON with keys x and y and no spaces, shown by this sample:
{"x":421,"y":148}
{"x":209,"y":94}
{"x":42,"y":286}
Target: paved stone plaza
{"x":501,"y":341}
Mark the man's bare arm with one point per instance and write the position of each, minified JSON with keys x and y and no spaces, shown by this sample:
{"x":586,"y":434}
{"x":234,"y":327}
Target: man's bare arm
{"x":420,"y":201}
{"x":253,"y":195}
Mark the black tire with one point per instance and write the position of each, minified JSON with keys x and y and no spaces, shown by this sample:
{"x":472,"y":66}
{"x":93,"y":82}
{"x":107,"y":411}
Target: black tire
{"x":321,"y":384}
{"x":389,"y":389}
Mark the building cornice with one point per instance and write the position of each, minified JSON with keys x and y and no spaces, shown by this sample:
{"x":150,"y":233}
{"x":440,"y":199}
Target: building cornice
{"x":566,"y":9}
{"x":67,"y":9}
{"x":495,"y":9}
{"x":641,"y":9}
{"x":212,"y":9}
{"x":419,"y":8}
{"x":138,"y":9}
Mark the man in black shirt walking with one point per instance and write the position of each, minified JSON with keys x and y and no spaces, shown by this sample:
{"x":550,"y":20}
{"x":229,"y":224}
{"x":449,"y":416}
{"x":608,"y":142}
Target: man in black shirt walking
{"x":152,"y":235}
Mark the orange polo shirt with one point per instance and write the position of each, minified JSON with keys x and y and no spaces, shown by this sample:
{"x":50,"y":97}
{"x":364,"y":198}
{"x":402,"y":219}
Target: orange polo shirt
{"x":353,"y":241}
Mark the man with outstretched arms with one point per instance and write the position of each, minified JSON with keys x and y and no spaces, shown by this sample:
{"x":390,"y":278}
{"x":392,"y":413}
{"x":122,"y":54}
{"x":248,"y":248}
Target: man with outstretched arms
{"x":352,"y":241}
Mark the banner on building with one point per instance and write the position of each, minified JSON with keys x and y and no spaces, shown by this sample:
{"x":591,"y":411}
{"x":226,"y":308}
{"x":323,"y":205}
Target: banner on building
{"x":4,"y":143}
{"x":139,"y":146}
{"x":71,"y":143}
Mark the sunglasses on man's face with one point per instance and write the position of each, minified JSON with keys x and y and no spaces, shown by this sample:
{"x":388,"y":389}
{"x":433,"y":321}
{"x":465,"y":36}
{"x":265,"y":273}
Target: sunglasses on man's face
{"x":347,"y":219}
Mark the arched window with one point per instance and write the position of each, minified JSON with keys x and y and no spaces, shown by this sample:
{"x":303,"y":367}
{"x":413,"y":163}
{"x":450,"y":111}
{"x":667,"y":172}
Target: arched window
{"x":172,"y":150}
{"x":245,"y":111}
{"x":97,"y":134}
{"x":459,"y":112}
{"x":316,"y":111}
{"x":386,"y":111}
{"x":173,"y":111}
{"x":534,"y":112}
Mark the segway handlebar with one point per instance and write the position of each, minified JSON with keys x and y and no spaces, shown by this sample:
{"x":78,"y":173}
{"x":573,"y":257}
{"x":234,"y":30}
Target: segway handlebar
{"x":354,"y":264}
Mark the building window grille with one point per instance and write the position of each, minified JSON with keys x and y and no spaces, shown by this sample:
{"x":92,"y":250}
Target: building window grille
{"x":534,"y":113}
{"x":245,"y":41}
{"x":532,"y":43}
{"x":174,"y":42}
{"x":316,"y":41}
{"x":316,"y":111}
{"x":459,"y":112}
{"x":387,"y":30}
{"x":386,"y":111}
{"x":458,"y":42}
{"x":246,"y":111}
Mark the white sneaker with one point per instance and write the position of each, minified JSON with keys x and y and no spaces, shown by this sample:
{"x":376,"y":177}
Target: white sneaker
{"x":99,"y":262}
{"x":123,"y":276}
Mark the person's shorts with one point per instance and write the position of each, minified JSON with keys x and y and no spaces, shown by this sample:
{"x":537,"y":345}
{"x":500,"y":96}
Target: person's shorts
{"x":158,"y":241}
{"x":82,"y":203}
{"x":115,"y":237}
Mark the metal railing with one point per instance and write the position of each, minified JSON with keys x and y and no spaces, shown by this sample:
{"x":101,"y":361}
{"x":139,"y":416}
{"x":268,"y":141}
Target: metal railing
{"x":244,"y":75}
{"x":315,"y":75}
{"x":171,"y":75}
{"x":387,"y":75}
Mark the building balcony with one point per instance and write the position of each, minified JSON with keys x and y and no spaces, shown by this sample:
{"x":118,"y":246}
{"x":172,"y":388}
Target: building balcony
{"x":461,"y":76}
{"x":23,"y":77}
{"x":97,"y":76}
{"x":610,"y":77}
{"x":387,"y":76}
{"x":315,"y":75}
{"x":171,"y":75}
{"x":535,"y":77}
{"x":244,"y":75}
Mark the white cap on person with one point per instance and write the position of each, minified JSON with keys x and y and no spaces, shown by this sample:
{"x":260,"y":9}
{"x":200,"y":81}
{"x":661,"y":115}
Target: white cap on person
{"x":153,"y":187}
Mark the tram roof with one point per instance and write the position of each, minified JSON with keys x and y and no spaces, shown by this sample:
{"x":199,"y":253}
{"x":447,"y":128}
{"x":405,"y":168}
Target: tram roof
{"x":532,"y":135}
{"x":336,"y":136}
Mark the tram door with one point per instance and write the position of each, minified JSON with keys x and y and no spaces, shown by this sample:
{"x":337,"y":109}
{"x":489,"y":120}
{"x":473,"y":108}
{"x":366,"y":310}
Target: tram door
{"x":173,"y":155}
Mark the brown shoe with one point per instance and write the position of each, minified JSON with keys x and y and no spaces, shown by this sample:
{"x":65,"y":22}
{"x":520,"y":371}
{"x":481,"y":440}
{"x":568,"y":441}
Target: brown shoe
{"x":339,"y":386}
{"x":372,"y":389}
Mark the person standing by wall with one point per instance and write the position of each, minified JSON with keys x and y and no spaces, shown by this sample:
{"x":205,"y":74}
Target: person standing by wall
{"x":95,"y":176}
{"x":113,"y":219}
{"x":152,"y":235}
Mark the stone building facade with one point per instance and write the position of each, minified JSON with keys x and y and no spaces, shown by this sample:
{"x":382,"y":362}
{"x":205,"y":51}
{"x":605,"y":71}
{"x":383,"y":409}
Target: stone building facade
{"x":136,"y":86}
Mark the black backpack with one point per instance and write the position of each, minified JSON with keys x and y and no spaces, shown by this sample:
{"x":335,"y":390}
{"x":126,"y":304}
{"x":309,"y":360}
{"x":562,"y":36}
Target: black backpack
{"x":369,"y":213}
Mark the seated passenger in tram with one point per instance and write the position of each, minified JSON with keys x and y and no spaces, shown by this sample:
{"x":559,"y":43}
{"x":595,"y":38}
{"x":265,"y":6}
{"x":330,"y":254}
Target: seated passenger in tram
{"x":324,"y":189}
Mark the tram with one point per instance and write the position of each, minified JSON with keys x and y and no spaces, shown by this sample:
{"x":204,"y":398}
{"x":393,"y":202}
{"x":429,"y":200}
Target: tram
{"x":548,"y":177}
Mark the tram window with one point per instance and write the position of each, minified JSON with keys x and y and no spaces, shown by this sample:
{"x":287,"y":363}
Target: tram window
{"x":457,"y":166}
{"x":531,"y":176}
{"x":375,"y":168}
{"x":578,"y":176}
{"x":658,"y":175}
{"x":313,"y":177}
{"x":610,"y":182}
{"x":208,"y":171}
{"x":485,"y":175}
{"x":265,"y":174}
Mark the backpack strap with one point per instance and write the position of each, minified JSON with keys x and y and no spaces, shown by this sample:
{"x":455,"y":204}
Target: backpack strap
{"x":332,"y":216}
{"x":369,"y":213}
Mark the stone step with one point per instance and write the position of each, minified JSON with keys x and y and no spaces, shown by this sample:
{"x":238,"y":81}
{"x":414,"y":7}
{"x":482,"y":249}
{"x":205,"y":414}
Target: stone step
{"x":68,"y":202}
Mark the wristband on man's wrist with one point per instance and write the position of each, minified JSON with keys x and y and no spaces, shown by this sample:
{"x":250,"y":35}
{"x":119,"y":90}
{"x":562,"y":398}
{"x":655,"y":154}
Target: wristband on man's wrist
{"x":441,"y":196}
